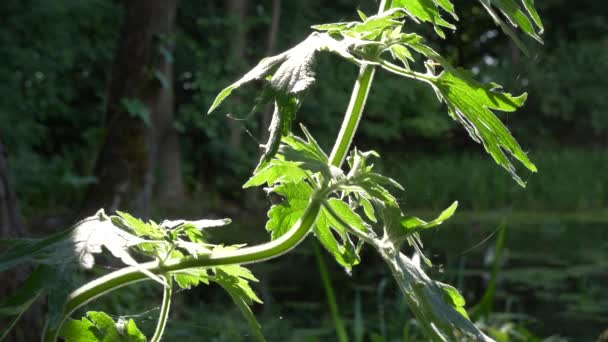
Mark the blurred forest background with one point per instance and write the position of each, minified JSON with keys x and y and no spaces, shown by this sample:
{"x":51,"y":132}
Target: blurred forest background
{"x":103,"y":104}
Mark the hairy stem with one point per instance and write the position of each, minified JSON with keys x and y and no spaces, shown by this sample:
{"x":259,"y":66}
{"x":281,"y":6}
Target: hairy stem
{"x":164,"y":309}
{"x":131,"y":275}
{"x":353,"y":115}
{"x":270,"y":250}
{"x":355,"y":106}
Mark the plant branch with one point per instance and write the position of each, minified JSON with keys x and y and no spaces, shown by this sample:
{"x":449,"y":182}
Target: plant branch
{"x":131,"y":275}
{"x":273,"y":249}
{"x":355,"y":106}
{"x":395,"y":69}
{"x":164,"y":309}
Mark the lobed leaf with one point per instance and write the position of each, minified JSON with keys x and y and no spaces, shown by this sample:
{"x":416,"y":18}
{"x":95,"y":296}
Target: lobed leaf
{"x":99,"y":327}
{"x":411,"y":223}
{"x":277,"y":171}
{"x":531,"y":23}
{"x":471,"y":103}
{"x":244,"y":308}
{"x":192,"y":277}
{"x":282,"y":216}
{"x":428,"y":11}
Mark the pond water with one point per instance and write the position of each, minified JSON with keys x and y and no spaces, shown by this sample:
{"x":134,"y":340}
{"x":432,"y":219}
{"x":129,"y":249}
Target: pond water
{"x":553,"y":273}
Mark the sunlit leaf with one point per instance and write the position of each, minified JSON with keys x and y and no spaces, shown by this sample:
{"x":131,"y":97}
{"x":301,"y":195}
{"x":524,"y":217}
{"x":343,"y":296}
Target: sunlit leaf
{"x":471,"y":103}
{"x":277,"y":171}
{"x":99,"y":327}
{"x":428,"y":11}
{"x":453,"y":297}
{"x":412,"y":223}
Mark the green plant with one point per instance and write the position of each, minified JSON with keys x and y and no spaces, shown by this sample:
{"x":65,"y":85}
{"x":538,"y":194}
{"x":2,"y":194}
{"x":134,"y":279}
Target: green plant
{"x":343,"y":209}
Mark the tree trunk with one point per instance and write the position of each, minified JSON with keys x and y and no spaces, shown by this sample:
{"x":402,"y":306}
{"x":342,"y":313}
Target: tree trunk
{"x":237,"y":11}
{"x":124,"y":168}
{"x":270,"y":50}
{"x":170,"y":186}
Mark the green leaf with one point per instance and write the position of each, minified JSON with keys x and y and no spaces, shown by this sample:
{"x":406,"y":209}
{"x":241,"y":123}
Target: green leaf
{"x":471,"y":103}
{"x":192,"y":277}
{"x":370,"y":29}
{"x":428,"y":11}
{"x":277,"y":171}
{"x":518,"y":18}
{"x":346,"y":214}
{"x":402,"y":54}
{"x":344,"y":252}
{"x":291,"y":70}
{"x":99,"y":327}
{"x":285,"y":109}
{"x":411,"y":223}
{"x":139,"y":227}
{"x":306,"y":153}
{"x":25,"y":250}
{"x":337,"y":216}
{"x":243,"y":306}
{"x":284,"y":215}
{"x":452,"y":296}
{"x":236,"y":278}
{"x":368,"y":208}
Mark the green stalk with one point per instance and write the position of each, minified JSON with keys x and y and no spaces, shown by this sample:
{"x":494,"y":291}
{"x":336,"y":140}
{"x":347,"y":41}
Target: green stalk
{"x":353,"y":115}
{"x":164,"y":310}
{"x":355,"y":106}
{"x":131,"y":275}
{"x":254,"y":254}
{"x":331,"y":297}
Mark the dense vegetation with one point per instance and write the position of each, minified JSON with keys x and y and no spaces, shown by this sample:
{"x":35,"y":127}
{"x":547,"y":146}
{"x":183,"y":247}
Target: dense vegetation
{"x":59,"y":66}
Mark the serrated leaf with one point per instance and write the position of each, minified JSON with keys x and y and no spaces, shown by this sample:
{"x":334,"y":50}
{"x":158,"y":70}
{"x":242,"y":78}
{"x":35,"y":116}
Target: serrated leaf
{"x":244,"y":308}
{"x":285,"y":109}
{"x":99,"y":327}
{"x":412,"y":223}
{"x":237,"y":279}
{"x":277,"y":171}
{"x":452,"y":296}
{"x":402,"y":54}
{"x":346,"y":214}
{"x":192,"y":277}
{"x":284,"y":215}
{"x":439,"y":311}
{"x":344,"y":252}
{"x":306,"y":153}
{"x":518,"y":18}
{"x":24,"y":250}
{"x":369,"y":29}
{"x":139,"y":227}
{"x":334,"y":215}
{"x":368,"y":208}
{"x":291,"y":70}
{"x":428,"y":11}
{"x":471,"y":103}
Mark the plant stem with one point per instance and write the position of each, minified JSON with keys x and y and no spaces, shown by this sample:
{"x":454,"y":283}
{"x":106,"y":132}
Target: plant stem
{"x":355,"y":106}
{"x":270,"y":250}
{"x":164,"y":309}
{"x":353,"y":115}
{"x":131,"y":275}
{"x":331,"y":297}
